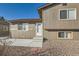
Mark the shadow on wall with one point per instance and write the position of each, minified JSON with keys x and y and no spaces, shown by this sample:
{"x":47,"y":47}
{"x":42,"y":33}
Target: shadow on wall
{"x":45,"y":39}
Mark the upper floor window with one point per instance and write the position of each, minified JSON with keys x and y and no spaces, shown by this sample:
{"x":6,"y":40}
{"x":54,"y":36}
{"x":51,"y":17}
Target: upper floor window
{"x":23,"y":26}
{"x":68,"y":14}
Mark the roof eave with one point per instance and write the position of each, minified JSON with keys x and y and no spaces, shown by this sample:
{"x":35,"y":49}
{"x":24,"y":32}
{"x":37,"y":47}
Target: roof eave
{"x":45,"y":7}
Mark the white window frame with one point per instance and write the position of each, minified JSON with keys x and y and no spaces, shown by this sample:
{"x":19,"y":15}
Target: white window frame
{"x":67,"y":13}
{"x":26,"y":28}
{"x":65,"y":35}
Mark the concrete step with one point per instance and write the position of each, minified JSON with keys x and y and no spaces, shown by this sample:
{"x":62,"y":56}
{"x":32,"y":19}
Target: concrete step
{"x":38,"y":37}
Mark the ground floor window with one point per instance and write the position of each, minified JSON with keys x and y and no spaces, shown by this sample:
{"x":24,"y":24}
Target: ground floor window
{"x":65,"y":35}
{"x":23,"y":26}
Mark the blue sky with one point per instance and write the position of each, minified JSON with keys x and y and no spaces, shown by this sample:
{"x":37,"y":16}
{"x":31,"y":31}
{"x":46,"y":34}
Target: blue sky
{"x":19,"y":10}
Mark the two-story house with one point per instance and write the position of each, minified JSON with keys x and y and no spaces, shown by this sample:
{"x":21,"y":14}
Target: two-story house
{"x":61,"y":25}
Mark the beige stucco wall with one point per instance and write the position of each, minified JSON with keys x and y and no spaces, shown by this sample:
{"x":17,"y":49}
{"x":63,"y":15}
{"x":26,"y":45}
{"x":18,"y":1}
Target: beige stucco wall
{"x":51,"y":18}
{"x":15,"y":33}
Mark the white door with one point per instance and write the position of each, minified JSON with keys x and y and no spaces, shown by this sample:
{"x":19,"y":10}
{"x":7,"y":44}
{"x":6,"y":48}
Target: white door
{"x":39,"y":29}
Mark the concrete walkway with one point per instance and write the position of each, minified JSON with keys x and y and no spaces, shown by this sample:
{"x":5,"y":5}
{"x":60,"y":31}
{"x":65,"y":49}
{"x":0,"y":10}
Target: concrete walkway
{"x":26,"y":42}
{"x":35,"y":42}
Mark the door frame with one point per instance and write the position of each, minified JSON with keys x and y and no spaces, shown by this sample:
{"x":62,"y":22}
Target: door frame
{"x":39,"y":33}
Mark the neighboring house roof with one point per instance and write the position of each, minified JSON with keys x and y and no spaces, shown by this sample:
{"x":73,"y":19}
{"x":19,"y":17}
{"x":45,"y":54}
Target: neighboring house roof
{"x":25,"y":21}
{"x":4,"y":23}
{"x":46,"y":6}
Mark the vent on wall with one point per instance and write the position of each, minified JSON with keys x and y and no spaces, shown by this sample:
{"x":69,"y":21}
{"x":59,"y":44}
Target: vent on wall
{"x":64,"y":4}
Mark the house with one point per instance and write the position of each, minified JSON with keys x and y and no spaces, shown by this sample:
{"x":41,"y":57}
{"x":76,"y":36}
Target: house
{"x":4,"y":27}
{"x":25,"y":28}
{"x":26,"y":32}
{"x":61,"y":26}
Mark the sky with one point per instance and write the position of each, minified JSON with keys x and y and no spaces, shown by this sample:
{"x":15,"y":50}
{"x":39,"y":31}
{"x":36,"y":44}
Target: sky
{"x":11,"y":11}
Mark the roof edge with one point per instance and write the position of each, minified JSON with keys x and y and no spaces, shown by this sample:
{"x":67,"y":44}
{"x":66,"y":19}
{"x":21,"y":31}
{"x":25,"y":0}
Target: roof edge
{"x":25,"y":21}
{"x":45,"y":7}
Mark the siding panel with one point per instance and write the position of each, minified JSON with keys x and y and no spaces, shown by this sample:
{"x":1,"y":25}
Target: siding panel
{"x":51,"y":17}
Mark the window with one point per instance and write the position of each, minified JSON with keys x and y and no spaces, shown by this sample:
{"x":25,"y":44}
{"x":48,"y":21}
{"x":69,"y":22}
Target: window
{"x":65,"y":35}
{"x":63,"y":14}
{"x":23,"y":26}
{"x":68,"y":14}
{"x":20,"y":27}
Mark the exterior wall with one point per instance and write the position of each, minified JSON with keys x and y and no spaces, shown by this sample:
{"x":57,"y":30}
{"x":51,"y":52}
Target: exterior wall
{"x":19,"y":34}
{"x":53,"y":35}
{"x":52,"y":21}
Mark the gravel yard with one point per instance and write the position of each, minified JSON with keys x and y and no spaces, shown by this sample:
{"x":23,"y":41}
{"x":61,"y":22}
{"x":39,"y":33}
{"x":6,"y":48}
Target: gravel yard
{"x":58,"y":48}
{"x":25,"y":51}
